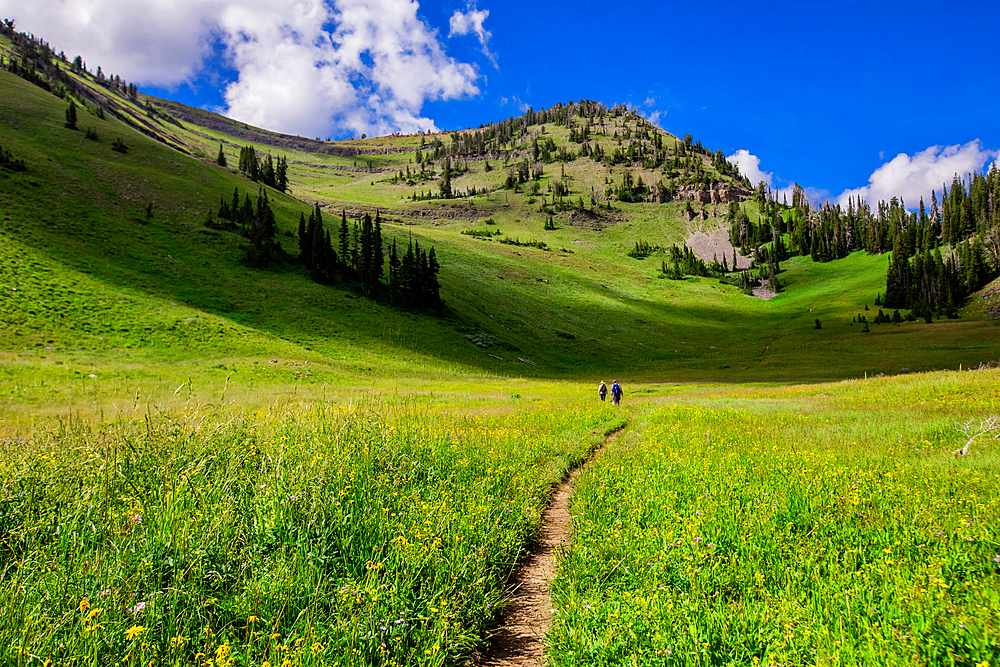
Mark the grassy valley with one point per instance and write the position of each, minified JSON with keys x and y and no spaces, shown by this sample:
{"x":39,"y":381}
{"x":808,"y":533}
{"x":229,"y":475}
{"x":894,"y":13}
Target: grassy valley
{"x":209,"y":460}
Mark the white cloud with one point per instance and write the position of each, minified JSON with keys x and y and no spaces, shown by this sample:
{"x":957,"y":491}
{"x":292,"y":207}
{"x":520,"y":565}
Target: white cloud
{"x":913,"y":178}
{"x":652,"y":116}
{"x":147,"y":41}
{"x":472,"y":22}
{"x":749,"y":166}
{"x":303,"y":66}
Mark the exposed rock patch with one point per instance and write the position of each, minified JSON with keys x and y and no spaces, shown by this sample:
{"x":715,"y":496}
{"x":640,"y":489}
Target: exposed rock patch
{"x":714,"y":244}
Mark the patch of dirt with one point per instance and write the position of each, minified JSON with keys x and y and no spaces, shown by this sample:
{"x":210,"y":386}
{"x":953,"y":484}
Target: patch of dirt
{"x":714,"y":244}
{"x":763,"y":293}
{"x":519,"y":640}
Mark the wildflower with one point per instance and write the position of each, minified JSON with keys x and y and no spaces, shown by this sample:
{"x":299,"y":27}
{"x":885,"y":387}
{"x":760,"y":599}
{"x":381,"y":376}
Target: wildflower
{"x":92,"y":614}
{"x":222,"y":652}
{"x":133,"y":631}
{"x":137,"y":608}
{"x":84,"y":606}
{"x":317,"y":647}
{"x":996,"y":559}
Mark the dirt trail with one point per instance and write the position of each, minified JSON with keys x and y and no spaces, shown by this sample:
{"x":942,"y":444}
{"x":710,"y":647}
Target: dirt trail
{"x":519,"y":640}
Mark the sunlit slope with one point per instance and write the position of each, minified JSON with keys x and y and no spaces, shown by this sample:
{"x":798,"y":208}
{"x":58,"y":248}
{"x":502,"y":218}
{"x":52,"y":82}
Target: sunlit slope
{"x":579,"y":307}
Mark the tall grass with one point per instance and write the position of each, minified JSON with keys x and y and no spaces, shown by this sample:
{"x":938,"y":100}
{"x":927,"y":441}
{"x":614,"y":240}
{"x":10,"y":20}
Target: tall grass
{"x":376,"y":533}
{"x":793,"y":533}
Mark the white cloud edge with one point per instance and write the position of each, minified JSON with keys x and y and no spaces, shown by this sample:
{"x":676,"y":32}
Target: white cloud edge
{"x":293,"y":75}
{"x":905,"y":177}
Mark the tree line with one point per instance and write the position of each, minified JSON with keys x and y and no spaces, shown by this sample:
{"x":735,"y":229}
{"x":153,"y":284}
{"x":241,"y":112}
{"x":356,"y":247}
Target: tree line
{"x":353,"y":252}
{"x":939,"y":255}
{"x":266,"y":170}
{"x":412,"y":280}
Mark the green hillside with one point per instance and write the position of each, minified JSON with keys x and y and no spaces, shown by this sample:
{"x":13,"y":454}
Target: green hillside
{"x":110,"y":254}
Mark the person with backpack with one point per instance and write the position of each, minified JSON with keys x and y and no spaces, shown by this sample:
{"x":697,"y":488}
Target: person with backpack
{"x":602,"y":390}
{"x":616,"y":393}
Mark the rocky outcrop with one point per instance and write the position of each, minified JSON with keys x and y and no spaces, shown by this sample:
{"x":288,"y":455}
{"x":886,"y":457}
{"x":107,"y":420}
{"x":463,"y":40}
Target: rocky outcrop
{"x":716,"y":193}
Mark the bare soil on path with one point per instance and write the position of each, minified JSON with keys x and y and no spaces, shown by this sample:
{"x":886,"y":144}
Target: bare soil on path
{"x":520,"y":638}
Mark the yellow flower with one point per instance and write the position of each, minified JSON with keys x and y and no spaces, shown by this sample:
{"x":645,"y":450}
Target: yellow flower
{"x":317,"y":647}
{"x":133,"y":631}
{"x":84,"y":606}
{"x":222,"y":652}
{"x":92,"y":614}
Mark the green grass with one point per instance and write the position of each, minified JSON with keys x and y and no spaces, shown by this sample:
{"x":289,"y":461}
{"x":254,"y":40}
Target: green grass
{"x":374,"y":532}
{"x":793,"y":526}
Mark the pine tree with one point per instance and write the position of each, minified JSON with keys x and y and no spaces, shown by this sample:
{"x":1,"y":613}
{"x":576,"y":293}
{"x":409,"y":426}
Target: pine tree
{"x":343,"y":236}
{"x":221,"y":159}
{"x":395,"y":267}
{"x":281,"y":175}
{"x":71,"y":115}
{"x":378,"y":254}
{"x":446,"y":178}
{"x":366,"y":255}
{"x":305,"y":245}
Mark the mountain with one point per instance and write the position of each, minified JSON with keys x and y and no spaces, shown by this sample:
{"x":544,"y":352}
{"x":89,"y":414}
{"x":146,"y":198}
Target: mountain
{"x":562,"y":237}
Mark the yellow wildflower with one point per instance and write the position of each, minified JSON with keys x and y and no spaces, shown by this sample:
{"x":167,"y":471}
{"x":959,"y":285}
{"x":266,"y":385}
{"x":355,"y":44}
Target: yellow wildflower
{"x":133,"y":631}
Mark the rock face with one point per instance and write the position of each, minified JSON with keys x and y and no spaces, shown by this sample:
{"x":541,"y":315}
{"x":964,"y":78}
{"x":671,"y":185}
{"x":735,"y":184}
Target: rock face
{"x":717,"y":193}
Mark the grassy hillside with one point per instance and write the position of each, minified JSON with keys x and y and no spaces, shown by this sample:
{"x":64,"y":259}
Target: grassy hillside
{"x":77,"y":224}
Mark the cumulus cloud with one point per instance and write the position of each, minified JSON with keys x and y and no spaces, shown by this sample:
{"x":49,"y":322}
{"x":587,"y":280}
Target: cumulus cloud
{"x":162,"y":43}
{"x":749,"y":166}
{"x":911,"y":178}
{"x":472,"y":21}
{"x":652,"y":116}
{"x":305,"y":67}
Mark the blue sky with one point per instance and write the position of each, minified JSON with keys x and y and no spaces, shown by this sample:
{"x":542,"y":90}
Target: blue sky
{"x":869,"y":98}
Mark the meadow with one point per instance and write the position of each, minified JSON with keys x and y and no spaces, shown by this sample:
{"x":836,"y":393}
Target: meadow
{"x":378,"y":531}
{"x":823,"y":525}
{"x":207,"y":463}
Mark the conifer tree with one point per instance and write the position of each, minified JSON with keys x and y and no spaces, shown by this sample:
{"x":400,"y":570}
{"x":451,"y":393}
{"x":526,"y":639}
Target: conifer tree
{"x":343,"y":238}
{"x":71,"y":115}
{"x":305,"y":242}
{"x":221,"y":159}
{"x":394,"y":274}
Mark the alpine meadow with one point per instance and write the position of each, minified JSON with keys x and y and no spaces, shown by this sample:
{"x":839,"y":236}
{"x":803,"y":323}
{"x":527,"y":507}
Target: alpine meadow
{"x":270,"y":400}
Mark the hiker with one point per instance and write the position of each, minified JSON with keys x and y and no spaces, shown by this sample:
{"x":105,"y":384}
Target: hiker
{"x":616,"y":393}
{"x":602,"y":390}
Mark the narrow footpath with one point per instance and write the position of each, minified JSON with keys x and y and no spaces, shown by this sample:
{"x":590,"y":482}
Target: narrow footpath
{"x":520,"y":639}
